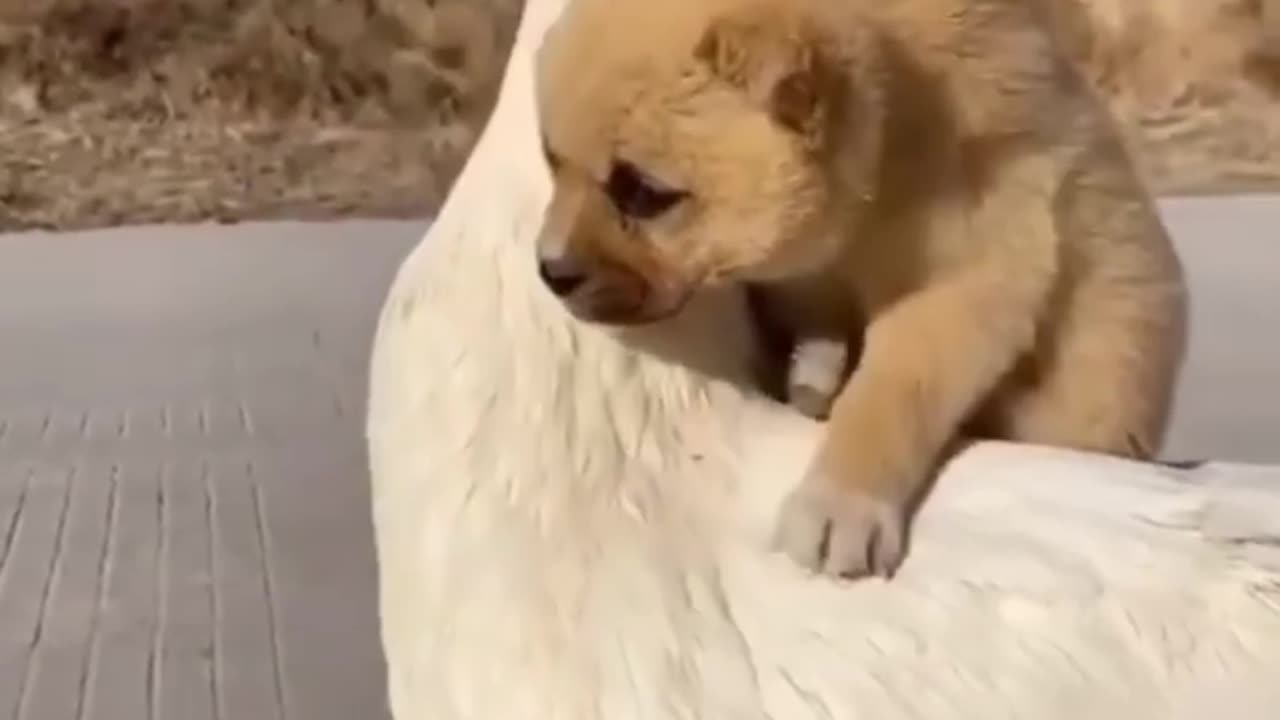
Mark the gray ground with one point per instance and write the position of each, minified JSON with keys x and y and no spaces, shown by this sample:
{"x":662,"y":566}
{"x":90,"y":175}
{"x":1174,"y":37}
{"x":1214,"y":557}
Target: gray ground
{"x":1229,"y":403}
{"x":184,"y":530}
{"x":184,"y":525}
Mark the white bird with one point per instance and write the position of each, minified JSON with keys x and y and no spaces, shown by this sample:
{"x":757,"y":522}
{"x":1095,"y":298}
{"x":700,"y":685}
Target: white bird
{"x":574,"y":525}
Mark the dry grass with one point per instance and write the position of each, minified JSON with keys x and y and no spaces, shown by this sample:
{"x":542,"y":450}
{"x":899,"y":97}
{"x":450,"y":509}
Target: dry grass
{"x":160,"y":110}
{"x":150,"y":110}
{"x":1195,"y":82}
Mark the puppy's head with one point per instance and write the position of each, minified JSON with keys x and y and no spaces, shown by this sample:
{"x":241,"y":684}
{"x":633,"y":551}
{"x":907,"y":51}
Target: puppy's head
{"x":692,"y":143}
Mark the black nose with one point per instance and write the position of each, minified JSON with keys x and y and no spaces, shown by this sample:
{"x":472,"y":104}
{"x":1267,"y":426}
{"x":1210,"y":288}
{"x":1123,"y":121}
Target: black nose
{"x":561,"y":275}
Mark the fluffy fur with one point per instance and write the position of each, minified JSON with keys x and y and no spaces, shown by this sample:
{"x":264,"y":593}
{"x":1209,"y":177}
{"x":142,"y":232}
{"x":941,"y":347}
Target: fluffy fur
{"x":570,"y":527}
{"x":932,"y":168}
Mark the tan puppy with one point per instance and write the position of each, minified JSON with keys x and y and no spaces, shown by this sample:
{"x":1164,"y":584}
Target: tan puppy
{"x":933,"y":163}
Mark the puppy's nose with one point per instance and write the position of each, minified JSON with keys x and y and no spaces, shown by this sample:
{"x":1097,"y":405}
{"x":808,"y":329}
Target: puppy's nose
{"x":562,"y":275}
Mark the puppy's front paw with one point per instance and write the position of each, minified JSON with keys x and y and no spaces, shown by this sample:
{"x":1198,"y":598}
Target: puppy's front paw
{"x":841,"y":530}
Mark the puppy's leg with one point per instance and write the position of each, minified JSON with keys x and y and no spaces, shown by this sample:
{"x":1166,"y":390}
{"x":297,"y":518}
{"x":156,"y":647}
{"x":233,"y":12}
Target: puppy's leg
{"x":1103,"y":376}
{"x":929,"y":360}
{"x":1104,"y":381}
{"x":927,"y":363}
{"x":1107,"y":390}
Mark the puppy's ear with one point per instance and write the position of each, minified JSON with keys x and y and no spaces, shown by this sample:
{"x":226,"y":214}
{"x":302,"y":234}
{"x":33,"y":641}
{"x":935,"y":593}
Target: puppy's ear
{"x":777,"y":58}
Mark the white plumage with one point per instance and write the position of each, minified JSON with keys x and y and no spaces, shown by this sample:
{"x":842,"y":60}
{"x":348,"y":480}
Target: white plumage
{"x":571,"y":528}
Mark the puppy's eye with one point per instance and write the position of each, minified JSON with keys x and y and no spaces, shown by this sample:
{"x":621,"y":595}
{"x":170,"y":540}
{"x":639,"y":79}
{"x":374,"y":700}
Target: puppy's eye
{"x":637,"y":196}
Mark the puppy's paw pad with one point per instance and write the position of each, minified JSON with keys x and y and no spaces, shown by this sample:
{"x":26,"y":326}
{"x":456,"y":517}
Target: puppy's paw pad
{"x":842,"y":532}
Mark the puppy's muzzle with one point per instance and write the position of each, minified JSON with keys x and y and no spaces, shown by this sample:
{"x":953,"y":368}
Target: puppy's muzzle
{"x":599,"y":291}
{"x":562,"y":275}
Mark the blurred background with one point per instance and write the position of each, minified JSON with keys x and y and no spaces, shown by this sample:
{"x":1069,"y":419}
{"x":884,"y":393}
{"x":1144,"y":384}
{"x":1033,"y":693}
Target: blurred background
{"x":138,"y":111}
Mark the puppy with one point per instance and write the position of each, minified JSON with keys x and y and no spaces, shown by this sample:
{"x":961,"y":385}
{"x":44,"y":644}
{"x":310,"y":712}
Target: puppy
{"x":927,"y":175}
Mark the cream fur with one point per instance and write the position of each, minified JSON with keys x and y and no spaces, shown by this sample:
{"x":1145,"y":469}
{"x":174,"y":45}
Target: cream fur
{"x":927,"y":177}
{"x":570,"y":526}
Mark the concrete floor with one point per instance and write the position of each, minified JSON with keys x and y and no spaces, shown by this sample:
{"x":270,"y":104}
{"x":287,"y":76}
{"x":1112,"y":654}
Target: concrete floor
{"x":1228,"y":405}
{"x":184,"y":522}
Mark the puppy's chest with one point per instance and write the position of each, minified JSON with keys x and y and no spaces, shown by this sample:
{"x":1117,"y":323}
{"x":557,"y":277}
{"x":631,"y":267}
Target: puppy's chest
{"x":906,"y":251}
